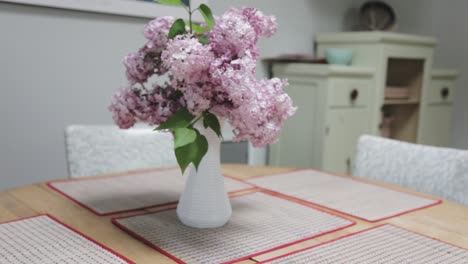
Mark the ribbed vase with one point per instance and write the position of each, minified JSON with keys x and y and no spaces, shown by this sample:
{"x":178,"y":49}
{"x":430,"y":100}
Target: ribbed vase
{"x":204,"y":202}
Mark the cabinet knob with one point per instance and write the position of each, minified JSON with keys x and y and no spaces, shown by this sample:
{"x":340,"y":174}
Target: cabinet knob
{"x":444,"y":92}
{"x":354,"y":94}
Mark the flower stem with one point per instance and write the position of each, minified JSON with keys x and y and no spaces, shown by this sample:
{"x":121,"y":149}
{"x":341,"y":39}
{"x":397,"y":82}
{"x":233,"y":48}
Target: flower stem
{"x":196,"y":120}
{"x":142,"y":85}
{"x":190,"y":12}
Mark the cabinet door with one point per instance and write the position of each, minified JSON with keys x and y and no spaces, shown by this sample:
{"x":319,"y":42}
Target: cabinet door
{"x":436,"y":127}
{"x":344,"y":127}
{"x":436,"y":123}
{"x":296,"y":147}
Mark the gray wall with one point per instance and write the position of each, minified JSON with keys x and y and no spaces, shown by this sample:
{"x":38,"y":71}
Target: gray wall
{"x":61,"y":67}
{"x":298,"y":20}
{"x":58,"y":68}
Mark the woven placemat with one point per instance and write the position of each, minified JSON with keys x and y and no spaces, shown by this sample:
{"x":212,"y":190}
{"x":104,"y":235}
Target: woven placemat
{"x":43,"y":239}
{"x":344,"y":194}
{"x":383,"y":244}
{"x":130,"y":192}
{"x":260,"y":223}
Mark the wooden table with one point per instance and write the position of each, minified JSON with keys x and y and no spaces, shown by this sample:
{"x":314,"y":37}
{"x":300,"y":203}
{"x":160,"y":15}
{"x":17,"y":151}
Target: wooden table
{"x":447,"y":222}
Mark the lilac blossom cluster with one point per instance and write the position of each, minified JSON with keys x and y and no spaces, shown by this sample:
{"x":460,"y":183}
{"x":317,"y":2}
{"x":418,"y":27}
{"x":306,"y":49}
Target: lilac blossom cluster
{"x":218,"y":77}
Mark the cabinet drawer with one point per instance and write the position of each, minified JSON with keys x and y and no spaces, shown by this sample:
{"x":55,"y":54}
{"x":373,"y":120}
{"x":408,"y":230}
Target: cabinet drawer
{"x":440,"y":91}
{"x":343,"y":93}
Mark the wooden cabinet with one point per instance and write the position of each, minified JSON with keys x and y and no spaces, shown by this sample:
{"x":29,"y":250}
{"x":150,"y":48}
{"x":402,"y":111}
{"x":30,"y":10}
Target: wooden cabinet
{"x":390,"y":90}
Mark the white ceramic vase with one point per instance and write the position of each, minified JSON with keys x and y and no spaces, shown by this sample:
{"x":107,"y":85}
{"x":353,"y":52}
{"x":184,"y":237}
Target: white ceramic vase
{"x":204,"y":203}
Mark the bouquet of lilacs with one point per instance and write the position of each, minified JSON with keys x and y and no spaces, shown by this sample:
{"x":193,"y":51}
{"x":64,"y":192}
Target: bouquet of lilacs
{"x":210,"y":73}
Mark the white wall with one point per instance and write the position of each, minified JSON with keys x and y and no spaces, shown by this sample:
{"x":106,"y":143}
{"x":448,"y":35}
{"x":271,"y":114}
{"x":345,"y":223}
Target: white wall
{"x":61,"y":67}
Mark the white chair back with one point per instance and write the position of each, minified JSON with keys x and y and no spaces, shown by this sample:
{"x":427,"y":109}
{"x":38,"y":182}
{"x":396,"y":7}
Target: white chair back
{"x":100,"y":149}
{"x":439,"y":171}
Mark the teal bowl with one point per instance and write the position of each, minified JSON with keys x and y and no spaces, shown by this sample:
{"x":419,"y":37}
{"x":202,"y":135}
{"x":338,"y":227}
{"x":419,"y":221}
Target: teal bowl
{"x":339,"y":56}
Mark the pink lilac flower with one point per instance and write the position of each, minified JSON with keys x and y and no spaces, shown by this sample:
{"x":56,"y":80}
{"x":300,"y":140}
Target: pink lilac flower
{"x":232,"y":34}
{"x":157,"y":30}
{"x":233,"y":79}
{"x":143,"y":64}
{"x":238,"y":30}
{"x":154,"y":57}
{"x":262,"y":113}
{"x":218,"y":77}
{"x":197,"y":99}
{"x":189,"y":63}
{"x":139,"y":67}
{"x":188,"y":60}
{"x":164,"y":101}
{"x":121,"y":104}
{"x":265,"y":26}
{"x":132,"y":104}
{"x":256,"y":109}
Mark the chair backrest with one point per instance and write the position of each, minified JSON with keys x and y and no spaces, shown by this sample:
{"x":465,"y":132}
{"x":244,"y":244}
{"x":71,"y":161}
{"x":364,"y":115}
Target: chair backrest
{"x":439,"y":171}
{"x":93,"y":150}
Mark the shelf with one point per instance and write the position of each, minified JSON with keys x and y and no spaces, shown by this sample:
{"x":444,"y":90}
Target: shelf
{"x":402,"y":114}
{"x":403,"y":122}
{"x":406,"y":74}
{"x":401,"y":101}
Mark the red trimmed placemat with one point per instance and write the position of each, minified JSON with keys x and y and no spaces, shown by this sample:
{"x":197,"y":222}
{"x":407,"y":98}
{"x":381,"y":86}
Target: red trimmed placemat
{"x":380,"y":244}
{"x":44,"y":239}
{"x":347,"y":195}
{"x":131,"y":192}
{"x":260,"y":223}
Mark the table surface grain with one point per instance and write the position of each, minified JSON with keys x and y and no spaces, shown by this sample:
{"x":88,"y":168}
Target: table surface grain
{"x":447,"y":221}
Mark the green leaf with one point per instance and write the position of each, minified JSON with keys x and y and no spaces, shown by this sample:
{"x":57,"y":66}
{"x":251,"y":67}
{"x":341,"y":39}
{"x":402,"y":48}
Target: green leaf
{"x":177,"y":28}
{"x":184,"y":136}
{"x":211,"y":121}
{"x":178,"y":120}
{"x":192,"y":153}
{"x":185,"y":155}
{"x":197,"y":28}
{"x":202,"y":148}
{"x":208,"y":15}
{"x":170,"y":2}
{"x":204,"y":39}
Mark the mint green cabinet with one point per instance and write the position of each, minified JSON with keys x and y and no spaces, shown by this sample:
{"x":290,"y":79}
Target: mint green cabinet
{"x":436,"y":128}
{"x":344,"y":126}
{"x":337,"y":104}
{"x":333,"y":111}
